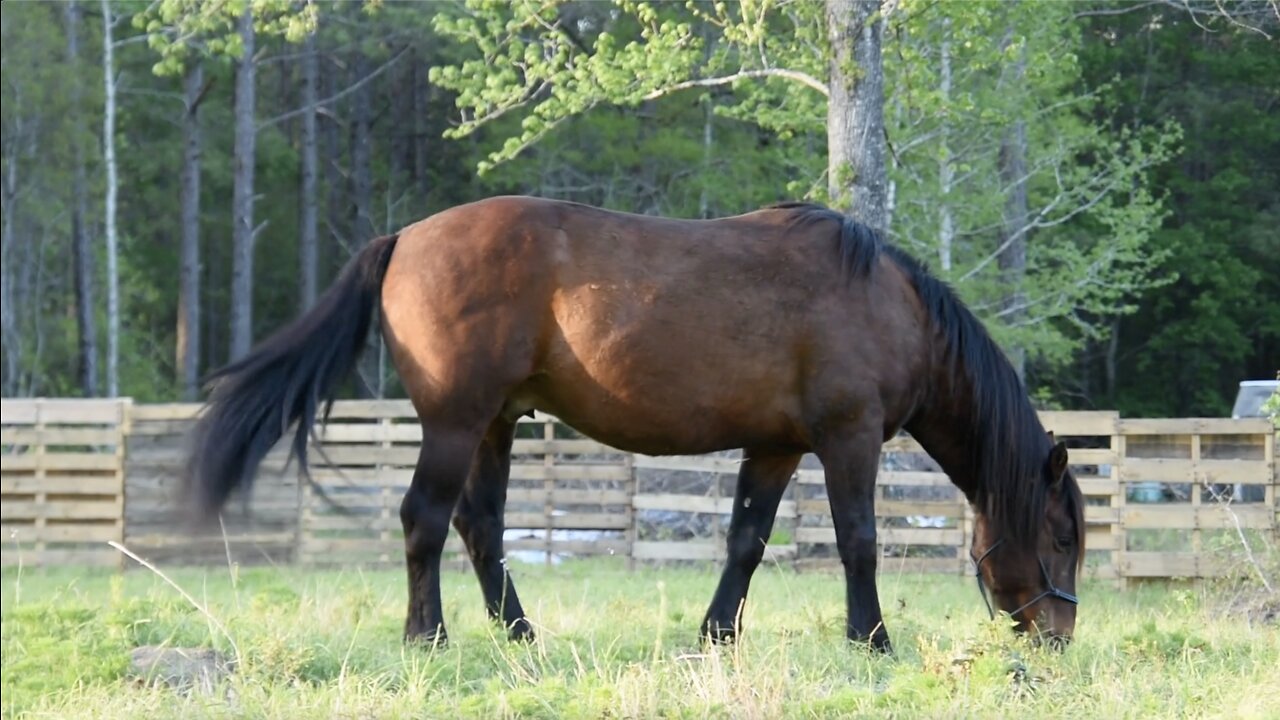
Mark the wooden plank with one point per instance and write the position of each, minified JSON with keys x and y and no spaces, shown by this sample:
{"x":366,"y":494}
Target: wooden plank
{"x":1194,"y":426}
{"x":1160,"y":564}
{"x":61,"y":484}
{"x":341,"y":455}
{"x":902,"y":478}
{"x":56,"y":461}
{"x":568,"y":521}
{"x":373,"y":409}
{"x":600,"y":472}
{"x":601,"y":546}
{"x":701,"y":464}
{"x":1077,"y":424}
{"x":71,"y":533}
{"x":676,"y":502}
{"x":1248,"y":472}
{"x":1099,"y":538}
{"x":1100,"y":572}
{"x":18,"y":412}
{"x":565,"y":496}
{"x":913,"y":565}
{"x":894,"y":508}
{"x":140,"y":414}
{"x":888,"y":536}
{"x":57,"y":435}
{"x":10,"y":557}
{"x":1207,"y":517}
{"x":57,"y":510}
{"x":82,"y":412}
{"x":901,"y":508}
{"x":1091,"y":456}
{"x":1101,"y":515}
{"x":694,"y":550}
{"x":1099,"y":486}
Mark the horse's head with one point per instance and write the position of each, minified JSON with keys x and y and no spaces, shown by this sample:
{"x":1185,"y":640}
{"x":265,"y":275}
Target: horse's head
{"x":1034,"y":579}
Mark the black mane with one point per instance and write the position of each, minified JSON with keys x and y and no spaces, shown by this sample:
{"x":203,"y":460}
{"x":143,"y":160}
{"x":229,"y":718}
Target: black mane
{"x":1009,"y":446}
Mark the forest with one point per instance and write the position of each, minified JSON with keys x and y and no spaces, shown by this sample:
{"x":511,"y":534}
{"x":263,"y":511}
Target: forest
{"x":1100,"y":181}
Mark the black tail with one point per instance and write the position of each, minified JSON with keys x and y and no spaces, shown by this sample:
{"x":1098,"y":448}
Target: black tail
{"x":281,"y":384}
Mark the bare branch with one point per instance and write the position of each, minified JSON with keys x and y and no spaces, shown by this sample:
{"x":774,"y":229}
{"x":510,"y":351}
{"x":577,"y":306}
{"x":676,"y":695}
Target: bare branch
{"x":336,"y":96}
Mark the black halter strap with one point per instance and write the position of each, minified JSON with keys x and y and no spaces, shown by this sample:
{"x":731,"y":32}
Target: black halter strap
{"x":1050,"y":590}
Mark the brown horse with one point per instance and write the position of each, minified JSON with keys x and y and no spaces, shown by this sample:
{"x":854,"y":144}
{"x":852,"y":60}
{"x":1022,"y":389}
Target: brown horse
{"x":783,"y":331}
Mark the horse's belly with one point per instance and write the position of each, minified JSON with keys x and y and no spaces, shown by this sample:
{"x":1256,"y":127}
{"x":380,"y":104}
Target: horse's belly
{"x":668,"y":390}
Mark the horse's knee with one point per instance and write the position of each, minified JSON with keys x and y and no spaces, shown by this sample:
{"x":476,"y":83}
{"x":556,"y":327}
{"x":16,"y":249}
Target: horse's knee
{"x":860,"y":554}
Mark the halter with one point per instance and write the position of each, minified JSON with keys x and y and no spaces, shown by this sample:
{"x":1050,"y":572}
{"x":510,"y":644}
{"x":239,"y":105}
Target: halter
{"x":1050,"y":591}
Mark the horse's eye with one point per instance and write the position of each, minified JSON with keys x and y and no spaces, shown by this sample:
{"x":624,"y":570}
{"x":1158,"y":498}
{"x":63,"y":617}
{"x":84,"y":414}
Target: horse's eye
{"x":1062,"y":543}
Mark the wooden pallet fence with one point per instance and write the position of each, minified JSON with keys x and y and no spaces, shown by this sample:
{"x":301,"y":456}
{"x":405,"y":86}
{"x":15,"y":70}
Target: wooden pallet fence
{"x":156,"y":526}
{"x":79,"y":473}
{"x":62,"y":481}
{"x":682,"y":509}
{"x":1205,"y":482}
{"x":567,"y":494}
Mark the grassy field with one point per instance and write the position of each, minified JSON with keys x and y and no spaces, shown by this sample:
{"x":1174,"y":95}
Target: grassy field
{"x":615,"y":644}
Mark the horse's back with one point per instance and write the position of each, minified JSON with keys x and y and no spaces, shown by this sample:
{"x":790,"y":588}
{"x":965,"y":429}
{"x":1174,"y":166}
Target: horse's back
{"x":651,"y":334}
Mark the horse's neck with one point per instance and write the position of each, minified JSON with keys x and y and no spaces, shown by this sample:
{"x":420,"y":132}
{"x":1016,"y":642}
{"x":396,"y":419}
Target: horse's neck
{"x":944,"y":428}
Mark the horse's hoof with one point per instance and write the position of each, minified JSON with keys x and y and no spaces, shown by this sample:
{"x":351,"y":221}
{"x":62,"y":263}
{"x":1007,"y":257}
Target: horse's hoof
{"x":436,"y":638}
{"x":520,"y":631}
{"x":717,"y":634}
{"x":878,"y":642}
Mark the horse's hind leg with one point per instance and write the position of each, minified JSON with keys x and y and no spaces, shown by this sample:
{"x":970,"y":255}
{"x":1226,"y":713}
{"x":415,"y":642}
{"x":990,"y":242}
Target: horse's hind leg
{"x":443,"y":465}
{"x":479,"y":521}
{"x":762,"y":480}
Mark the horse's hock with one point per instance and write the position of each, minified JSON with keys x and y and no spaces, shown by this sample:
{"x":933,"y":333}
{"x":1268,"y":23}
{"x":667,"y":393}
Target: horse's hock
{"x":1165,"y":496}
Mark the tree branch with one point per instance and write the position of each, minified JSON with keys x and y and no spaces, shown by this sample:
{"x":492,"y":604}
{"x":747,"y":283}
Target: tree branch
{"x":794,"y":75}
{"x":336,"y":96}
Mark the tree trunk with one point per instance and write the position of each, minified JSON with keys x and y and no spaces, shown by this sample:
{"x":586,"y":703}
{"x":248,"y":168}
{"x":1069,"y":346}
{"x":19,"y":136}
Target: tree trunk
{"x":308,"y":259}
{"x":946,"y":169}
{"x":362,"y":226}
{"x":242,"y":233}
{"x":81,"y":249}
{"x":1013,"y":237}
{"x":708,"y":144}
{"x":856,"y":176}
{"x":188,"y":350}
{"x":361,"y":221}
{"x":10,"y":276}
{"x":113,"y":186}
{"x":421,"y":99}
{"x":333,"y":174}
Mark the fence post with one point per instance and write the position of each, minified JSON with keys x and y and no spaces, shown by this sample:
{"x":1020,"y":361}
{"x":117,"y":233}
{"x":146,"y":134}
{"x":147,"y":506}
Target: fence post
{"x":628,"y":461}
{"x":124,"y":427}
{"x":1118,"y":497}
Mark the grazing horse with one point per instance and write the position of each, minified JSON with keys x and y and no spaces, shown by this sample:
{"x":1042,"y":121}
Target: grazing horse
{"x":787,"y":330}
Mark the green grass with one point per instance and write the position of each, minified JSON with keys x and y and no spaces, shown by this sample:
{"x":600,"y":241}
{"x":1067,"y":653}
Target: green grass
{"x":615,"y":644}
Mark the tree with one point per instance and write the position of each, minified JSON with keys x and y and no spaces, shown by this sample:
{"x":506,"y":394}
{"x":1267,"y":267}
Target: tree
{"x":1219,"y":322}
{"x":109,"y":203}
{"x":856,"y":174}
{"x":801,"y":68}
{"x":83,"y":251}
{"x":187,"y":353}
{"x":243,"y":231}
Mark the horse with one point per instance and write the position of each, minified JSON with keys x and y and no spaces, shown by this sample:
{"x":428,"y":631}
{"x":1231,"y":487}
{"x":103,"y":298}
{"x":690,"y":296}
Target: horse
{"x":783,"y":331}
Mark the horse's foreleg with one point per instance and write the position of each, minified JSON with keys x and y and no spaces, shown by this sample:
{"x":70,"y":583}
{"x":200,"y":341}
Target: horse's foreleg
{"x":479,"y":521}
{"x":762,"y":480}
{"x":443,"y":464}
{"x":850,"y":463}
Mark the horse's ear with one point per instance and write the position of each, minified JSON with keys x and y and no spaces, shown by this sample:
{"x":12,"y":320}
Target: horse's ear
{"x":1057,"y":465}
{"x":1051,"y":437}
